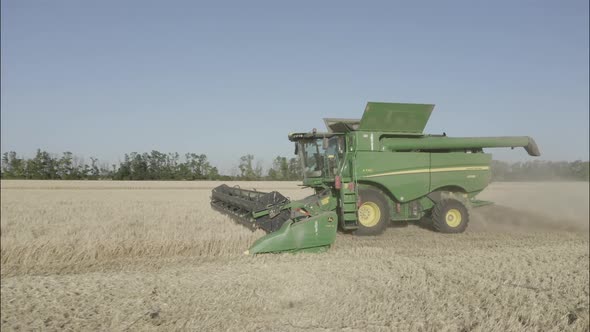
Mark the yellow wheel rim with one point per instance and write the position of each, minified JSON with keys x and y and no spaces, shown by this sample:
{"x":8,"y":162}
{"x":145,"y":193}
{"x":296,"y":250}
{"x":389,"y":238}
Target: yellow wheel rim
{"x":453,"y":217}
{"x":369,"y":214}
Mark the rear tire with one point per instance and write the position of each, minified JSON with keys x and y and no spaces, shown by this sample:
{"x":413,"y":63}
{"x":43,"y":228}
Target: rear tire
{"x":373,"y":213}
{"x":450,"y":216}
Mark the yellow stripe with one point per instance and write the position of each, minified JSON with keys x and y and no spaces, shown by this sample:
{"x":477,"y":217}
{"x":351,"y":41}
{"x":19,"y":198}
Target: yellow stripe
{"x":454,"y":169}
{"x":432,"y":170}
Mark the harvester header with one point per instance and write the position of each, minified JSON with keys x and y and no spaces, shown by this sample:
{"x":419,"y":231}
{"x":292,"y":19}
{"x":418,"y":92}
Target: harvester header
{"x":367,"y":173}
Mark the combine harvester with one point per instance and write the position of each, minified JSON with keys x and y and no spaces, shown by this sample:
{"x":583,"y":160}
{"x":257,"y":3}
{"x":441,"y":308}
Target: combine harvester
{"x":367,"y":173}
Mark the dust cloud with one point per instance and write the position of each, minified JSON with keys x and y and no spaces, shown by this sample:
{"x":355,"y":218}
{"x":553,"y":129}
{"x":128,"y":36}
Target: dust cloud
{"x":533,"y":207}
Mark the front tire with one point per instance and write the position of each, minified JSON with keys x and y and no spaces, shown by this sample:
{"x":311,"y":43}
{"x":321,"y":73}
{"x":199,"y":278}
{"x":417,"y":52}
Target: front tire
{"x":373,"y":213}
{"x":450,"y":216}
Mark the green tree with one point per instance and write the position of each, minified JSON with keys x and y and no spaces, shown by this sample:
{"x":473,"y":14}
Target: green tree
{"x":284,"y":168}
{"x":94,"y":169}
{"x":43,"y":166}
{"x":12,"y":166}
{"x":580,"y":170}
{"x":213,"y":174}
{"x":65,"y":167}
{"x":246,"y":167}
{"x":272,"y":174}
{"x":195,"y":166}
{"x":294,"y":169}
{"x":279,"y":169}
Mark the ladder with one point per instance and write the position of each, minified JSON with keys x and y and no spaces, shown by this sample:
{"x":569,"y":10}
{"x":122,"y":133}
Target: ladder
{"x":348,"y":208}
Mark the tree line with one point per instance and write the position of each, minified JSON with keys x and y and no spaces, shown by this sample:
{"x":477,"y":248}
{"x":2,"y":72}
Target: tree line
{"x":141,"y":166}
{"x":193,"y":166}
{"x":540,"y":170}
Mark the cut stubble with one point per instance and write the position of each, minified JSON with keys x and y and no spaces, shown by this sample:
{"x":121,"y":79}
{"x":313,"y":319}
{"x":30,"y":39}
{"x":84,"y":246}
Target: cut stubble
{"x":109,"y":255}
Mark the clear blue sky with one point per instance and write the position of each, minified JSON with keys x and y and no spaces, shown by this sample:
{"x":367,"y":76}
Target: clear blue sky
{"x":102,"y":78}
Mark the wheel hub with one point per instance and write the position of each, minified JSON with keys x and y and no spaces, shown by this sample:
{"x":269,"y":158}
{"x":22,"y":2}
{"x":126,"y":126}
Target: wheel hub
{"x":369,"y":214}
{"x":453,"y":217}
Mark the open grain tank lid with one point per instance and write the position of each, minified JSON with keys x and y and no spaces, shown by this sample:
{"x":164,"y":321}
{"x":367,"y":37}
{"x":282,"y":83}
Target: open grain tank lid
{"x":396,"y":117}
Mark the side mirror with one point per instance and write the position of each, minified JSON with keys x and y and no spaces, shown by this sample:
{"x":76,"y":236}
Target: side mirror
{"x":325,"y":143}
{"x":296,"y":149}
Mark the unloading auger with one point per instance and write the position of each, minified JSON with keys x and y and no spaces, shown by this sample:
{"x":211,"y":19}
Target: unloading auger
{"x":367,"y":173}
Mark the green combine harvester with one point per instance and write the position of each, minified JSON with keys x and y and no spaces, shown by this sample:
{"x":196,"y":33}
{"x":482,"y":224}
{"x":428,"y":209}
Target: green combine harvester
{"x":367,"y":173}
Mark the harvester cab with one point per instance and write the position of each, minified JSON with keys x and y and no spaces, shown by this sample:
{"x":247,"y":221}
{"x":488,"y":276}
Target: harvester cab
{"x":321,"y":156}
{"x":367,"y":173}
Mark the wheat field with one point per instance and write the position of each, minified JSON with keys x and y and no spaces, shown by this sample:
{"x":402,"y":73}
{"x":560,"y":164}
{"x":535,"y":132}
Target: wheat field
{"x":143,"y":256}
